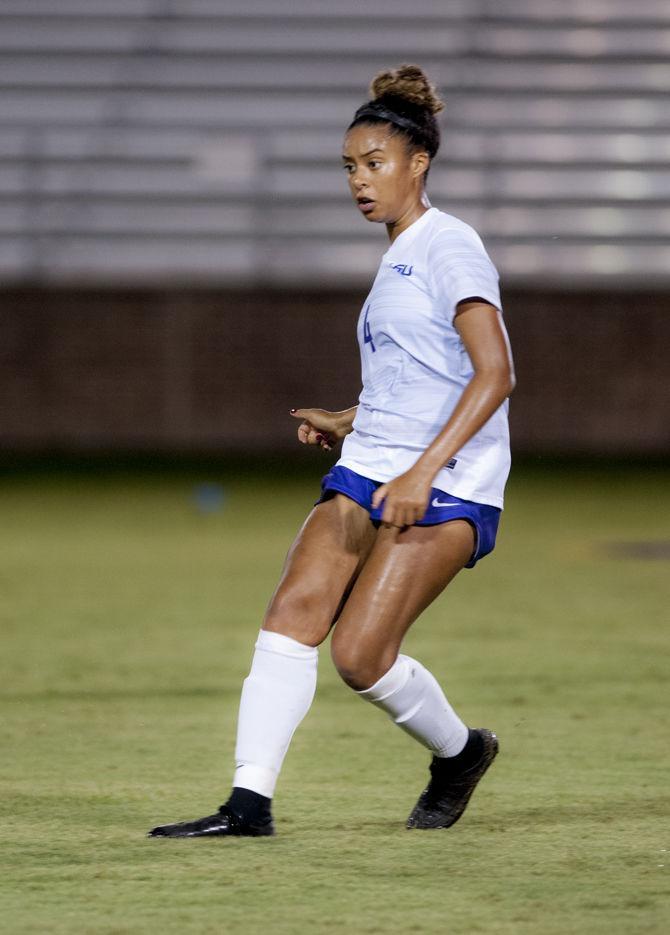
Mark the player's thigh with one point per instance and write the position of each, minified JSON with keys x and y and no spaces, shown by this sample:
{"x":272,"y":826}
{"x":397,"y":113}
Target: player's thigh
{"x":404,"y":572}
{"x":319,"y":570}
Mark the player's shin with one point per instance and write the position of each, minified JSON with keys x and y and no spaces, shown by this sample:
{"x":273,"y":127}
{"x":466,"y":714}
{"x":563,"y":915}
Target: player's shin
{"x":276,"y":696}
{"x":412,"y":697}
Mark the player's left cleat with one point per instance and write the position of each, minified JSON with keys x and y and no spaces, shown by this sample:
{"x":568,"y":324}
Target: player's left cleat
{"x":226,"y":823}
{"x":446,"y":796}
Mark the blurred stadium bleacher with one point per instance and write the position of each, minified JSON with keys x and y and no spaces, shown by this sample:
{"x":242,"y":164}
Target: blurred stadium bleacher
{"x":198,"y":141}
{"x":180,"y":258}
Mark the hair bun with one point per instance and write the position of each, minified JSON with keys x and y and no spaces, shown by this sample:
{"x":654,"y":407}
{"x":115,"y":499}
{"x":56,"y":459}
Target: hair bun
{"x":410,"y":83}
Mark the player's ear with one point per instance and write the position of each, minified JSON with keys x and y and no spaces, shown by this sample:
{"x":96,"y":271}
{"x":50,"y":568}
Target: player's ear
{"x":419,"y":163}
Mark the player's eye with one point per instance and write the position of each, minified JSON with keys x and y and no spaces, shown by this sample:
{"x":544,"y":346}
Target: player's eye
{"x":348,"y":167}
{"x":374,"y":163}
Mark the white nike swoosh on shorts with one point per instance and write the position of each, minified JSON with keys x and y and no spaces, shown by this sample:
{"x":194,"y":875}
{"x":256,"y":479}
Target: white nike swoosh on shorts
{"x":436,"y":502}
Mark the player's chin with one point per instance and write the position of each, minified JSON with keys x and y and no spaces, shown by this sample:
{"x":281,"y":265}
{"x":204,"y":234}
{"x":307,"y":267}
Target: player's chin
{"x":373,"y":214}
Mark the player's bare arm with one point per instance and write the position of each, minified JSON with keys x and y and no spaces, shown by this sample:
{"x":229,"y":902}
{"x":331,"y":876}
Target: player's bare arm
{"x":322,"y":427}
{"x":484,"y":337}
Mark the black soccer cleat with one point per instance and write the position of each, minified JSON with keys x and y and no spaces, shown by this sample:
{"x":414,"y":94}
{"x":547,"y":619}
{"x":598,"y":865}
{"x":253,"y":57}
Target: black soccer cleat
{"x":226,"y":823}
{"x":446,"y":796}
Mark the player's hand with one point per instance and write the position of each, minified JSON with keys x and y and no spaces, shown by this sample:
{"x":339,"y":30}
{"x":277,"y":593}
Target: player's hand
{"x":320,"y":427}
{"x":405,"y":499}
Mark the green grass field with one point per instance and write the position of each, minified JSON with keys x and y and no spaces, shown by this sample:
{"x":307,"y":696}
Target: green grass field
{"x":128,"y":621}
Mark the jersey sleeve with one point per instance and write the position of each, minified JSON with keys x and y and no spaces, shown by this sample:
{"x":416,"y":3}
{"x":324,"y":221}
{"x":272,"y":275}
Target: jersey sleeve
{"x":459,"y":268}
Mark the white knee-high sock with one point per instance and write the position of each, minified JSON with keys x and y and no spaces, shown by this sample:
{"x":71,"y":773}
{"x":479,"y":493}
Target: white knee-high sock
{"x":412,"y":697}
{"x":276,"y":696}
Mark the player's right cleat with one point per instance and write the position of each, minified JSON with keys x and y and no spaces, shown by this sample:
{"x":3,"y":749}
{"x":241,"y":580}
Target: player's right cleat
{"x":446,"y":796}
{"x":226,"y":823}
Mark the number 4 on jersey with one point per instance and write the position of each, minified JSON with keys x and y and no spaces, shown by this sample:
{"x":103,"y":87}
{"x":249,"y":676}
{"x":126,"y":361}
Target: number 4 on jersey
{"x":367,"y":334}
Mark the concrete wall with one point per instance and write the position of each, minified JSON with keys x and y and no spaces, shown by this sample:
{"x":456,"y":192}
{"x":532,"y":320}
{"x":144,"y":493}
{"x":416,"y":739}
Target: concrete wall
{"x":207,"y":371}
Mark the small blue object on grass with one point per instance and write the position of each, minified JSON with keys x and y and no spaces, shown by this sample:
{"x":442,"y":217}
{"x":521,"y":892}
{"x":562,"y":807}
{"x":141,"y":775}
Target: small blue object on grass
{"x":208,"y":497}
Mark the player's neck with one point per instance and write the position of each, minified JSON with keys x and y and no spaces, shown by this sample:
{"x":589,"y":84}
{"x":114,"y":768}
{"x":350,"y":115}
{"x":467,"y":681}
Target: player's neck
{"x":412,"y":214}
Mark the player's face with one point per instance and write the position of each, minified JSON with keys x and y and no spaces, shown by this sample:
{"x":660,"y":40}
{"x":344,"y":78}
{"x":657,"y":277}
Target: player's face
{"x":383,"y":177}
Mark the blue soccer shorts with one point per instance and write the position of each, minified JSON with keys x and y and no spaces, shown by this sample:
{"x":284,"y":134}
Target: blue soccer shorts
{"x":442,"y":507}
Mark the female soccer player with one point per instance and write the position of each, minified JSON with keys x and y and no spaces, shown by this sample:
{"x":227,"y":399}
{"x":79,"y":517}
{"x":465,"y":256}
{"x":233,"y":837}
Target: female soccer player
{"x":416,"y":494}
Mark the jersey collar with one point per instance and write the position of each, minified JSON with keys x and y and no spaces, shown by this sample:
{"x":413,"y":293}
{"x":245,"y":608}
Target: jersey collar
{"x":403,"y":240}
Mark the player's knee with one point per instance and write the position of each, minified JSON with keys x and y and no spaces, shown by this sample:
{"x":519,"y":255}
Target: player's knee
{"x":356,"y":665}
{"x":295,"y":613}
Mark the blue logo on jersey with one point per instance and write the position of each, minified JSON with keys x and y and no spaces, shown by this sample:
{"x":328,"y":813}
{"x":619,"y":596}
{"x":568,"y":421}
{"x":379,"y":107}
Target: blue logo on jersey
{"x":403,"y":269}
{"x":367,"y":334}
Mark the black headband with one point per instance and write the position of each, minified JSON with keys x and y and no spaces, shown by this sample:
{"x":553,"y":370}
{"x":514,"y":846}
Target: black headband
{"x":373,"y":109}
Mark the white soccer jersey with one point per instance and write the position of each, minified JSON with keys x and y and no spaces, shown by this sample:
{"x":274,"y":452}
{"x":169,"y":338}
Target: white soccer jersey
{"x":414,"y":364}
